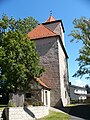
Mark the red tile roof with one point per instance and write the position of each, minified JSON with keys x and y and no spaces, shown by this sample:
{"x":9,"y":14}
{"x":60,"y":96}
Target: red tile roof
{"x":40,"y":32}
{"x":42,"y":83}
{"x":50,"y":19}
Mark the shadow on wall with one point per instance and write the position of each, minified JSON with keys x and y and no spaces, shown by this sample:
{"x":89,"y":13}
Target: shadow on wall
{"x":29,"y":112}
{"x":44,"y":46}
{"x":59,"y":104}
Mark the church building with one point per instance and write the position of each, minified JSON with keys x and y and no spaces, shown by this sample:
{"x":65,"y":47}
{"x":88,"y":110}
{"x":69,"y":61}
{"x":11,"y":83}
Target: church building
{"x":49,"y":41}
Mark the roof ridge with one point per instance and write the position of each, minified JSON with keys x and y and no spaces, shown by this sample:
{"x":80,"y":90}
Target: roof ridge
{"x":41,"y":31}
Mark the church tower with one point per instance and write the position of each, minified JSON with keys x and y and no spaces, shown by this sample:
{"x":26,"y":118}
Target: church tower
{"x":49,"y":40}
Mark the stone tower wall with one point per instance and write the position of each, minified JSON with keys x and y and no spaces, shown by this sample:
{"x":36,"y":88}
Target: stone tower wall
{"x":48,"y":51}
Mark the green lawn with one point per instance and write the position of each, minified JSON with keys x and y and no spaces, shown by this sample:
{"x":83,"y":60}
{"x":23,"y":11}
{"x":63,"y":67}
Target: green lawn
{"x":2,"y":107}
{"x":55,"y":116}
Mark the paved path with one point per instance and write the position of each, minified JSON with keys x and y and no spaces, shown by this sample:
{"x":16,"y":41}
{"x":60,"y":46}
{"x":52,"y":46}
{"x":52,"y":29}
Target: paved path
{"x":56,"y":110}
{"x":75,"y":118}
{"x":70,"y":116}
{"x":79,"y":112}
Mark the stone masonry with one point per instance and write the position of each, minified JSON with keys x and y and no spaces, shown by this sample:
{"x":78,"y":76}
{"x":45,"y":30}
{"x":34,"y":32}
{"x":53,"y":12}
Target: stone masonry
{"x":48,"y":52}
{"x":30,"y":113}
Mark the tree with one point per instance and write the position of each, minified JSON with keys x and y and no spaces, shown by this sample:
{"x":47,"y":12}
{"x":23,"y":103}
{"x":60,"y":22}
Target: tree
{"x":25,"y":25}
{"x":82,"y":33}
{"x":19,"y":61}
{"x":86,"y":86}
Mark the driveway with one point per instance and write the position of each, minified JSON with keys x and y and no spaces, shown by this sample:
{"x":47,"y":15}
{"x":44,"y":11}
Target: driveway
{"x":79,"y":112}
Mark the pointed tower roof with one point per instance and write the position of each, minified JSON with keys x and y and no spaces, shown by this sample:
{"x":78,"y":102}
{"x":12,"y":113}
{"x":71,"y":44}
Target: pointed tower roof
{"x":50,"y":19}
{"x":40,"y":32}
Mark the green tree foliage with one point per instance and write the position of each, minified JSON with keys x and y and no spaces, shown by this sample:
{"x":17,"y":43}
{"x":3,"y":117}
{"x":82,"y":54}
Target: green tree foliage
{"x":19,"y":61}
{"x":25,"y":25}
{"x":82,"y":33}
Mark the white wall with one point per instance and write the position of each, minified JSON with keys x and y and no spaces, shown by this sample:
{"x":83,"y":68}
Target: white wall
{"x":30,"y":113}
{"x":63,"y":68}
{"x":43,"y":97}
{"x":80,"y":91}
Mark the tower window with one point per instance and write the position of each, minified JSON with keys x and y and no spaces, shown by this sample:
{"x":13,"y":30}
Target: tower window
{"x":65,"y":94}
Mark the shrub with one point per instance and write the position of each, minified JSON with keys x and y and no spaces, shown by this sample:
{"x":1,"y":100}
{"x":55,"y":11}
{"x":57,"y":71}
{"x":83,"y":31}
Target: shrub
{"x":33,"y":102}
{"x":25,"y":104}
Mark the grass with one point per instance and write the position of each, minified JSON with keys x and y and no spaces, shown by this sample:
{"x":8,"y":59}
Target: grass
{"x":55,"y":116}
{"x":72,"y":105}
{"x":2,"y":107}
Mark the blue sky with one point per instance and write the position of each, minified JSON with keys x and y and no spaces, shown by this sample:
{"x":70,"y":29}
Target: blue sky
{"x":67,"y":10}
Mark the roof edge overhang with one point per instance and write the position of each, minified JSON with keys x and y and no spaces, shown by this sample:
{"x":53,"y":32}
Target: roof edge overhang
{"x":42,"y":83}
{"x":44,"y":37}
{"x":63,"y":47}
{"x":75,"y":86}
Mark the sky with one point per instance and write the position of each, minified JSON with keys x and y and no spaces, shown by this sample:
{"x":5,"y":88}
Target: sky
{"x":66,"y":10}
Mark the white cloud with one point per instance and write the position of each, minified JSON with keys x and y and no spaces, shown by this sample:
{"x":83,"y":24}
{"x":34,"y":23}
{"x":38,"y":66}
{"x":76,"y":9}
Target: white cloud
{"x":80,"y":83}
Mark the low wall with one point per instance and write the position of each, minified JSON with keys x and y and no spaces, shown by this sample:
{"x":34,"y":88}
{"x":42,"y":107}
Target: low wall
{"x":29,"y":113}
